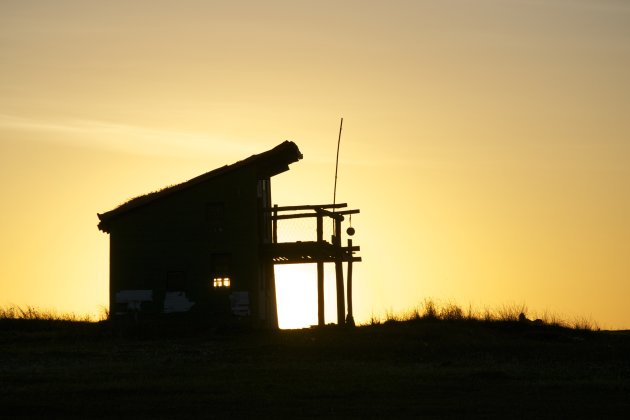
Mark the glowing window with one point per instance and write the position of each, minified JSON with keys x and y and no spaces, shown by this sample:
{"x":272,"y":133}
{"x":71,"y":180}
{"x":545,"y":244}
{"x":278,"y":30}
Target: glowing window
{"x":219,"y":282}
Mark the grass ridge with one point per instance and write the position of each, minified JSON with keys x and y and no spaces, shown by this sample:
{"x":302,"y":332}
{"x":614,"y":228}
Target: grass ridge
{"x":429,"y":309}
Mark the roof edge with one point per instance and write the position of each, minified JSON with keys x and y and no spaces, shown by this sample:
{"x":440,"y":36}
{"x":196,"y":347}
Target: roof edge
{"x":285,"y":153}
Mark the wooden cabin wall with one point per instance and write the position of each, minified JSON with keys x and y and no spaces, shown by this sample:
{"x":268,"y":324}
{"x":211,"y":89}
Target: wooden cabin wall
{"x":180,"y":233}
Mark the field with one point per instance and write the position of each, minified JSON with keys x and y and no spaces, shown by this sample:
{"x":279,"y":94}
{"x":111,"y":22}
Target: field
{"x":423,"y":368}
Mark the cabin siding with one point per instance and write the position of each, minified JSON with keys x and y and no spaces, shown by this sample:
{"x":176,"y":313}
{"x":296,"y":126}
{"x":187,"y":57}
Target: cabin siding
{"x":198,"y":246}
{"x":177,"y":234}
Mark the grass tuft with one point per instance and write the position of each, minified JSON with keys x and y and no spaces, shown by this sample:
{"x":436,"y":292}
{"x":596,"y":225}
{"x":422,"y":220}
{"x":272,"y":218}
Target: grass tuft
{"x":31,"y":313}
{"x":585,"y":324}
{"x":429,"y":310}
{"x":510,"y":312}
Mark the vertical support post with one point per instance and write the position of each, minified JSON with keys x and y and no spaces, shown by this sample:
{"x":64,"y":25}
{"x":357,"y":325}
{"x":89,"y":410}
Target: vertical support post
{"x":341,"y":310}
{"x":320,"y":275}
{"x":350,"y":317}
{"x":272,"y":304}
{"x":321,"y":320}
{"x":274,"y":232}
{"x":320,"y":227}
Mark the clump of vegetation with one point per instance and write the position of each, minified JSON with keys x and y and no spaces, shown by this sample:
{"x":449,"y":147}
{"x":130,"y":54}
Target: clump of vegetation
{"x":34,"y":314}
{"x":429,"y":310}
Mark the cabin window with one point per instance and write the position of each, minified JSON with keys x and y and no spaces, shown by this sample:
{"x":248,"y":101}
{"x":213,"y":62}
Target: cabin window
{"x":221,"y":271}
{"x":215,"y":216}
{"x":221,"y":282}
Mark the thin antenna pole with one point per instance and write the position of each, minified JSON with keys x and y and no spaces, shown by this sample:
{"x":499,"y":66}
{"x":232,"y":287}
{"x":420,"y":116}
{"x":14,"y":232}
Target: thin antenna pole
{"x":337,"y":164}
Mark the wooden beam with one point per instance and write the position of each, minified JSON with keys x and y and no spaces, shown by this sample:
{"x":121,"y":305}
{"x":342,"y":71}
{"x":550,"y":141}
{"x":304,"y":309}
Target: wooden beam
{"x":308,"y":207}
{"x":272,"y":304}
{"x":321,"y":321}
{"x":293,"y":216}
{"x":274,"y":224}
{"x":309,"y":260}
{"x":344,"y":212}
{"x":341,"y":301}
{"x":350,"y":317}
{"x":322,"y":250}
{"x":334,"y":215}
{"x":320,"y":229}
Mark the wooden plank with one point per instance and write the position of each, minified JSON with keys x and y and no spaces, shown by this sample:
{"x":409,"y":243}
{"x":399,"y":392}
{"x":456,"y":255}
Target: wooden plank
{"x":320,"y":229}
{"x":333,"y":215}
{"x":350,"y":317}
{"x":345,"y":212}
{"x":282,"y":260}
{"x":305,"y":252}
{"x":293,"y":216}
{"x":308,"y":207}
{"x":341,"y":300}
{"x":272,"y":304}
{"x":275,"y":224}
{"x":336,"y":216}
{"x":321,"y":321}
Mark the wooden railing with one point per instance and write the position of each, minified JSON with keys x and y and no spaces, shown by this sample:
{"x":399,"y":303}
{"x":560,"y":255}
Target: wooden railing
{"x":317,"y":211}
{"x":339,"y":253}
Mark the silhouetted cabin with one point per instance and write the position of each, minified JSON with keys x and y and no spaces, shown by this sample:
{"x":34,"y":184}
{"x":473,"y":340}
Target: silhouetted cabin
{"x":196,"y":246}
{"x":209,"y":246}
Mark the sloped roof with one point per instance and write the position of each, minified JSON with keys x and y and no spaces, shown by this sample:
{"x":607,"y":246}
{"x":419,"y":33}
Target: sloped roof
{"x":269,"y":163}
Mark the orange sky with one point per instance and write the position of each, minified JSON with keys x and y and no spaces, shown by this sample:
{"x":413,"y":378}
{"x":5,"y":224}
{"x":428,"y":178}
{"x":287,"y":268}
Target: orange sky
{"x":486,"y":142}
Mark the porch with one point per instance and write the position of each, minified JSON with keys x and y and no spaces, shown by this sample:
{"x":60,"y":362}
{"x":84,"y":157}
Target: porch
{"x":318,"y":251}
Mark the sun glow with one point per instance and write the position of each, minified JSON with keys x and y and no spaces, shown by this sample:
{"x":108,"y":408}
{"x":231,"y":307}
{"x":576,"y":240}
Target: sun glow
{"x":296,"y":294}
{"x":497,"y":173}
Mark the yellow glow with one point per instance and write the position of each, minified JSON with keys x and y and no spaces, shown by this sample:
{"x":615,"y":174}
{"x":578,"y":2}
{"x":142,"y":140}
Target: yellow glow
{"x":220,"y":282}
{"x":296,"y":295}
{"x":486,"y":142}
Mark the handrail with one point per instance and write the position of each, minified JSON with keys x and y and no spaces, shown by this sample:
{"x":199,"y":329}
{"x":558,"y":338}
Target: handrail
{"x":319,"y":212}
{"x":305,"y":207}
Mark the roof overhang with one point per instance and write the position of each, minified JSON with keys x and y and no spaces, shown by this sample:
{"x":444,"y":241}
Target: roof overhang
{"x":266,"y":164}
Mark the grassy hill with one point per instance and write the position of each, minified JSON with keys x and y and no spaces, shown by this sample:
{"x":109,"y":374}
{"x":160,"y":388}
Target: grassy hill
{"x":423,"y":368}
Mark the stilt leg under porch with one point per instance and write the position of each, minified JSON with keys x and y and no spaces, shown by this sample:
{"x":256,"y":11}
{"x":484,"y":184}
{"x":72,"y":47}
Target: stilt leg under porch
{"x":341,"y":300}
{"x":350,"y":317}
{"x":272,"y":305}
{"x":320,"y":294}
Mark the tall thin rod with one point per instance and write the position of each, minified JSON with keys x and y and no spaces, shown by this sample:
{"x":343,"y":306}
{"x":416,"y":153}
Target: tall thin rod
{"x":337,"y":163}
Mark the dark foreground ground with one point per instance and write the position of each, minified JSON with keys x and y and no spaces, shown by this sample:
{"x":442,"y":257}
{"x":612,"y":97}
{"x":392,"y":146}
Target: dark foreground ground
{"x":421,"y":369}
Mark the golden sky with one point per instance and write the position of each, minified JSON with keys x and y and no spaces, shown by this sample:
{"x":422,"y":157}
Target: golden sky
{"x":486,"y":142}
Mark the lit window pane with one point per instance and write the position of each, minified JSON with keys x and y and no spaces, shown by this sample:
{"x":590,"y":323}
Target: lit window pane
{"x":221,"y":282}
